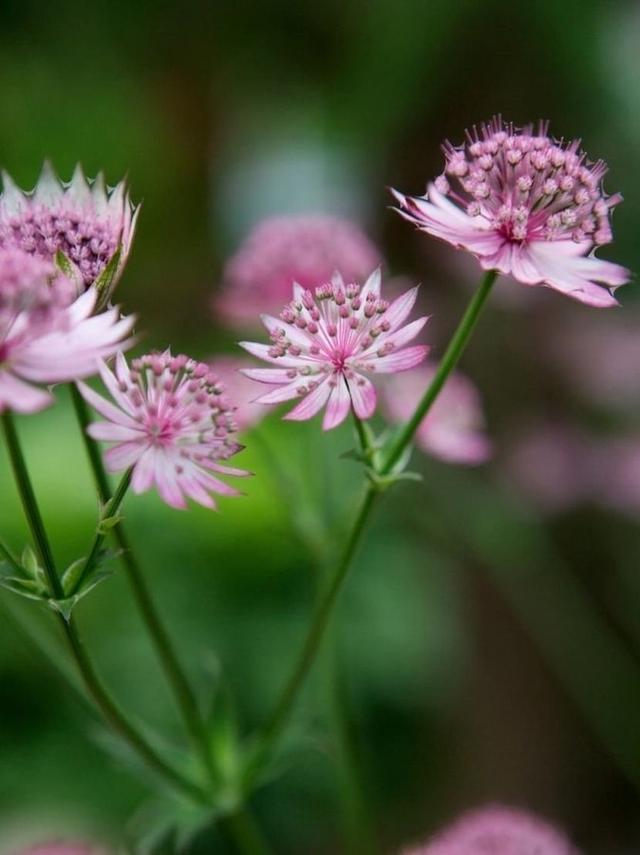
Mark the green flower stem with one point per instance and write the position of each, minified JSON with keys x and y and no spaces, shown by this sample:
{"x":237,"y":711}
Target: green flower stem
{"x":101,"y":697}
{"x":245,"y":833}
{"x":325,"y":606}
{"x":110,"y":510}
{"x":174,"y":673}
{"x":30,"y":505}
{"x":449,"y":361}
{"x":315,"y":635}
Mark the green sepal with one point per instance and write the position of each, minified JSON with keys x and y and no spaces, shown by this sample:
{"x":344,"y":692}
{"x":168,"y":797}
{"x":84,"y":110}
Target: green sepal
{"x":70,"y":270}
{"x":72,"y":574}
{"x":29,"y":563}
{"x":105,"y":280}
{"x":107,"y":523}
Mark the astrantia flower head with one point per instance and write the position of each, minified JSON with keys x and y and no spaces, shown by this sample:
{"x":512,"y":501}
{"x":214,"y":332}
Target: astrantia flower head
{"x":44,"y":336}
{"x":325,"y":343}
{"x":172,"y":422}
{"x":283,"y":250}
{"x":453,"y":429}
{"x":527,"y":205}
{"x":498,"y":831}
{"x":83,"y":219}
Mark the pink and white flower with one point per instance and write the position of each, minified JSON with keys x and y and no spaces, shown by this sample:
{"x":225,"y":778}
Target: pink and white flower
{"x":84,"y":219}
{"x":46,"y":338}
{"x":453,"y":429}
{"x":170,"y":420}
{"x":283,"y":250}
{"x":326,"y":342}
{"x":527,"y":205}
{"x":498,"y":831}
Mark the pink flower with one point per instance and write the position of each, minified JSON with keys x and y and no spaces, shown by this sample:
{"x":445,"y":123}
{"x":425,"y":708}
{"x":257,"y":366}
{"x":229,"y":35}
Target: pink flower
{"x":498,"y":831}
{"x":452,"y":430}
{"x":549,"y":464}
{"x":172,"y":422}
{"x":526,"y":205}
{"x":283,"y":250}
{"x":326,"y":342}
{"x":229,"y":369}
{"x":45,"y":338}
{"x":84,"y":219}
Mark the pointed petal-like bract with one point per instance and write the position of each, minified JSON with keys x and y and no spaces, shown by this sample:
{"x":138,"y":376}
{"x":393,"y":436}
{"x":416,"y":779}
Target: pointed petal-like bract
{"x":84,"y":220}
{"x":170,"y":420}
{"x":526,"y":205}
{"x":326,"y":341}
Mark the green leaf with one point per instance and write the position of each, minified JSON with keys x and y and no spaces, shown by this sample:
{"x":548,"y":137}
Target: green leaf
{"x":104,"y":282}
{"x":70,"y":270}
{"x":107,"y":523}
{"x":64,"y":607}
{"x":30,"y":562}
{"x":72,"y":574}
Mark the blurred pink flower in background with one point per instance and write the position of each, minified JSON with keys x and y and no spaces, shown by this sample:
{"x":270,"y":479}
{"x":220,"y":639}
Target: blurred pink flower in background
{"x":497,"y":830}
{"x":548,"y":464}
{"x":526,"y":205}
{"x":45,"y":338}
{"x":171,"y":422}
{"x":453,"y":429}
{"x":598,"y":356}
{"x":229,"y":369}
{"x":83,"y":219}
{"x":615,"y":474}
{"x":282,"y":250}
{"x":326,"y":341}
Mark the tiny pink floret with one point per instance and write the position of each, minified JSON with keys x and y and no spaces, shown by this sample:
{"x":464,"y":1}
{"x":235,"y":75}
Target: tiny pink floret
{"x":526,"y":205}
{"x":327,"y":341}
{"x":498,"y":831}
{"x":170,"y":419}
{"x":47,"y":336}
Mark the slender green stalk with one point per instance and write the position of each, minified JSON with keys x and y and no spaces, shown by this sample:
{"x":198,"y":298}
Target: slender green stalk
{"x":358,"y":818}
{"x":246,"y":834}
{"x":316,"y":632}
{"x":174,"y":673}
{"x":324,"y":609}
{"x":30,"y":505}
{"x":101,"y":697}
{"x":449,"y":361}
{"x":111,"y":509}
